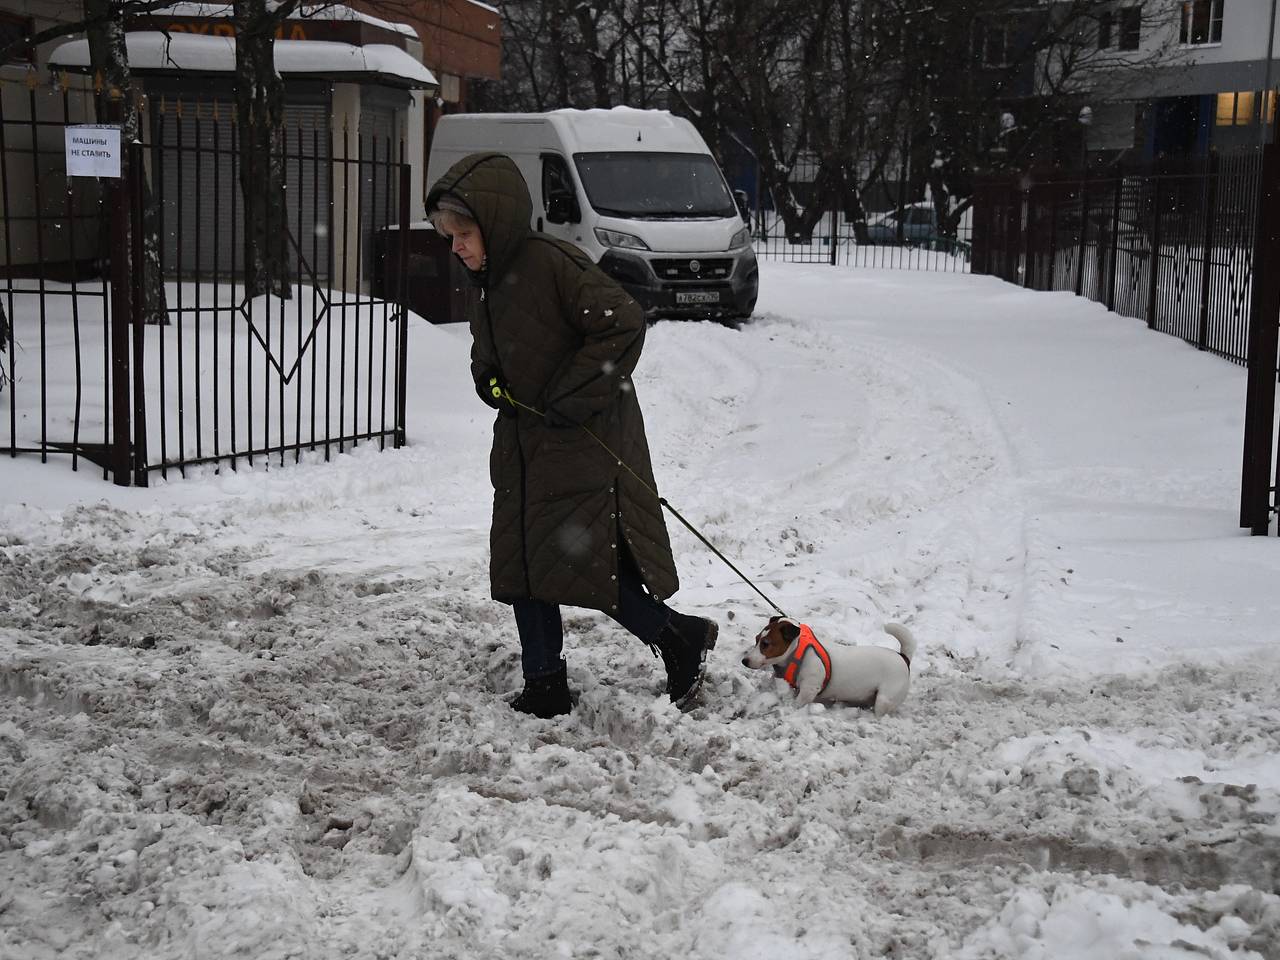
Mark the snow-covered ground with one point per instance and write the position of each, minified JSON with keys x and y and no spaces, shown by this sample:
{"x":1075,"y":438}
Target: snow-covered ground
{"x":262,"y":714}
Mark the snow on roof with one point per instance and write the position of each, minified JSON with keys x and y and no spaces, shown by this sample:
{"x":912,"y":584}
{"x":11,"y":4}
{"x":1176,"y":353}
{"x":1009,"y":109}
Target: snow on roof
{"x":340,"y":12}
{"x":486,"y":6}
{"x":153,"y":50}
{"x":600,"y":129}
{"x":310,"y":12}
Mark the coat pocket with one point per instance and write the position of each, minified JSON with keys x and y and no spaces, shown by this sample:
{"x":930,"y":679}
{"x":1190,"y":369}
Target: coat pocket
{"x":567,"y":463}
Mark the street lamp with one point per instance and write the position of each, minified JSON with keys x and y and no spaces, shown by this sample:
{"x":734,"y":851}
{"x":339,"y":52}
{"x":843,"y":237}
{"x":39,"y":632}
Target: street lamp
{"x":1263,"y":128}
{"x":1008,"y":124}
{"x":1085,"y":118}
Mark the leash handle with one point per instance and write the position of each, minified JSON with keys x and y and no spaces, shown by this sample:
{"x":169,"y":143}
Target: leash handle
{"x":506,"y":395}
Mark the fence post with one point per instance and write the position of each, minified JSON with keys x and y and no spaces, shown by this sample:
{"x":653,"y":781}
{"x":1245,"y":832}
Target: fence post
{"x":1115,"y":243}
{"x":1264,"y":333}
{"x":137,"y":173}
{"x":1011,"y":248}
{"x":834,"y":215}
{"x":402,"y":334}
{"x":1210,"y":205}
{"x":1084,"y":230}
{"x":1027,"y":199}
{"x":122,"y":311}
{"x":1053,"y":235}
{"x":1154,"y":267}
{"x":981,"y":224}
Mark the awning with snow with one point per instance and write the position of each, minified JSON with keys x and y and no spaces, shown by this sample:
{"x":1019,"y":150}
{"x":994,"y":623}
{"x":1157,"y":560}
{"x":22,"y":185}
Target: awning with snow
{"x":335,"y":44}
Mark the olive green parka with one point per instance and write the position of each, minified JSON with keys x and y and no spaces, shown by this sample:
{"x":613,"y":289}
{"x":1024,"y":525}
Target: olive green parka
{"x":562,"y":335}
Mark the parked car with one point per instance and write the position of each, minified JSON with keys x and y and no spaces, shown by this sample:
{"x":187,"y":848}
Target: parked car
{"x":915,"y":225}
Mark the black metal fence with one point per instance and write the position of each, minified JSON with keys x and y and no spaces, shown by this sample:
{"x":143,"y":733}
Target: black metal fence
{"x":910,"y":237}
{"x":1175,"y":248}
{"x":230,"y":378}
{"x":1171,"y":248}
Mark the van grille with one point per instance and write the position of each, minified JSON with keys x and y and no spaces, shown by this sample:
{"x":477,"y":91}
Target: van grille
{"x":693,"y":269}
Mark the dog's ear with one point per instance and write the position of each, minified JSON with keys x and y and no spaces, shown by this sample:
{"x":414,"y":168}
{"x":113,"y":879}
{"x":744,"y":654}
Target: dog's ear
{"x":774,"y":619}
{"x":790,"y":630}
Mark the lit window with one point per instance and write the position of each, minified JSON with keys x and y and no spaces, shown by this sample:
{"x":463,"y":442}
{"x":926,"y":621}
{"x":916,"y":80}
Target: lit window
{"x":1201,"y":21}
{"x":1225,"y":115}
{"x":1236,"y":109}
{"x":1244,"y":108}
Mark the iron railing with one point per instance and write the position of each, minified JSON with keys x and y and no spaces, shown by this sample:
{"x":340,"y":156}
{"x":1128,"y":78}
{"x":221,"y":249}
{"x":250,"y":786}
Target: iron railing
{"x":1173,"y":247}
{"x":908,"y":238}
{"x":230,"y":378}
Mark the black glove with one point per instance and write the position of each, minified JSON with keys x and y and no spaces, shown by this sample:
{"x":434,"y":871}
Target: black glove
{"x":554,"y":418}
{"x":492,"y":389}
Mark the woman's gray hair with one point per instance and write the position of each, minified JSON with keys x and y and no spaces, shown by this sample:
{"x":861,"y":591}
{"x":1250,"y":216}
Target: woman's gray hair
{"x":450,"y":213}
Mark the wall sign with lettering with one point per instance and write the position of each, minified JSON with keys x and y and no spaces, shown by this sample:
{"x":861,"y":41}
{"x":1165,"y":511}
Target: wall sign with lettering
{"x":93,"y":150}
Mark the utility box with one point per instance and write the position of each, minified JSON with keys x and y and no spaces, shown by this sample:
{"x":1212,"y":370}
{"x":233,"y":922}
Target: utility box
{"x":434,"y":280}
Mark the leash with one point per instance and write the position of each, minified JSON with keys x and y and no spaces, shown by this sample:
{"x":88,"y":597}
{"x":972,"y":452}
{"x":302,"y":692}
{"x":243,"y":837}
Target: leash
{"x":500,"y":393}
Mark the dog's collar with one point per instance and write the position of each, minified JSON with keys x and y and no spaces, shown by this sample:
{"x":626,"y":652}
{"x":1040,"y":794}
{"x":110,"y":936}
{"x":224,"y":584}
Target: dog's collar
{"x":806,"y":644}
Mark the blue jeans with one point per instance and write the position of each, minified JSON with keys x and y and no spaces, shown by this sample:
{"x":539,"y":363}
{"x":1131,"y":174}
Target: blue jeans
{"x":542,"y":633}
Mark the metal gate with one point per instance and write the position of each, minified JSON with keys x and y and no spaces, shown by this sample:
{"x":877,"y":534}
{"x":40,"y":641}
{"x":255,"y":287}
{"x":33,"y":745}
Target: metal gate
{"x":54,"y":304}
{"x":229,"y":380}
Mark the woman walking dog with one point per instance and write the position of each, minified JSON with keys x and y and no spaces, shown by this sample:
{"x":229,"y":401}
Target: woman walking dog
{"x":554,"y":343}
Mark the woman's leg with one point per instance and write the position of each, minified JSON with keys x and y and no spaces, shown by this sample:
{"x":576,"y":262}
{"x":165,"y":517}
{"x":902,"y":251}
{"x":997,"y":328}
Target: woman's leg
{"x":541,"y":637}
{"x":681,"y":640}
{"x":639,"y":612}
{"x":546,"y":684}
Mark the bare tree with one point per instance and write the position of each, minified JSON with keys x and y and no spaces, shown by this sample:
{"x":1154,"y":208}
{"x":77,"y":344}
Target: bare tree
{"x":259,"y":124}
{"x":991,"y":85}
{"x":834,"y":97}
{"x":260,"y":97}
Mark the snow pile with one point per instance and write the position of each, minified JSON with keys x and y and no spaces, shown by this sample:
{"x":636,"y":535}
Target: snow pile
{"x":262,"y":713}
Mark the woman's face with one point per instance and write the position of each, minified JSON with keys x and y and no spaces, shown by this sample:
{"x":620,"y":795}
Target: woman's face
{"x":466,"y":241}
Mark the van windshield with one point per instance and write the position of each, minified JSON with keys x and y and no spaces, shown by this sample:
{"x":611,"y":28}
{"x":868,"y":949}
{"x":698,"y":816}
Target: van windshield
{"x":654,"y":185}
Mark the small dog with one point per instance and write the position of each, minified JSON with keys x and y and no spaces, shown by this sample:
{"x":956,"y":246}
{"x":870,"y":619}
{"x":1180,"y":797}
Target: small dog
{"x":862,"y":676}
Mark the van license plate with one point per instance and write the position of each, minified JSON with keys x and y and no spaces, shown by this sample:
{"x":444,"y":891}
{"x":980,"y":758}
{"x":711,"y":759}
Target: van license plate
{"x":697,"y":296}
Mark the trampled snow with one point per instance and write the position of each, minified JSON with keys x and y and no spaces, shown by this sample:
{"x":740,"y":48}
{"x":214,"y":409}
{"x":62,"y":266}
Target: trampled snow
{"x":263,"y":713}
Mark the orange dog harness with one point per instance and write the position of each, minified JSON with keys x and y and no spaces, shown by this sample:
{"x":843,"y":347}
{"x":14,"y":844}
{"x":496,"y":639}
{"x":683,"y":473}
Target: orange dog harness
{"x":807,"y":644}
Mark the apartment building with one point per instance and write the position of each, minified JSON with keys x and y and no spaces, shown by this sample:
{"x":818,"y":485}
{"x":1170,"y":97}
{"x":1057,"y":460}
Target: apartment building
{"x":1201,"y":69}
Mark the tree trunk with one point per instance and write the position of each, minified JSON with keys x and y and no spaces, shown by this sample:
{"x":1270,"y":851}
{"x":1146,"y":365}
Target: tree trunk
{"x":109,"y":61}
{"x":4,"y":345}
{"x":597,"y":65}
{"x":259,"y":120}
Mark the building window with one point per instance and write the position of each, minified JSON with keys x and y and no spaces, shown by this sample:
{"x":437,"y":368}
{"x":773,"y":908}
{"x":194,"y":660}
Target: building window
{"x":1236,"y":109}
{"x":1121,"y":28}
{"x":993,"y":44}
{"x":13,"y":29}
{"x":1130,"y":28}
{"x":1201,"y":21}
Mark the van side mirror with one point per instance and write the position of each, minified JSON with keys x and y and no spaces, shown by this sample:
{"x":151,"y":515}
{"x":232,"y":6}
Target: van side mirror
{"x":740,"y":199}
{"x":562,"y":207}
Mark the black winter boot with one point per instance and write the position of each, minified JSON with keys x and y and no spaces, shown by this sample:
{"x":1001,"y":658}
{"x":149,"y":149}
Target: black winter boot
{"x":546,"y":696}
{"x":683,"y":645}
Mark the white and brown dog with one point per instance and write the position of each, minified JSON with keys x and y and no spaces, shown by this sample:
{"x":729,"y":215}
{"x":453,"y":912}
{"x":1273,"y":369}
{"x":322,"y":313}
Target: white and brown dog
{"x":862,"y":676}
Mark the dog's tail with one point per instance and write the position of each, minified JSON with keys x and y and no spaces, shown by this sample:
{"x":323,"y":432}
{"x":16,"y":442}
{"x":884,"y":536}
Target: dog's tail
{"x":906,"y":641}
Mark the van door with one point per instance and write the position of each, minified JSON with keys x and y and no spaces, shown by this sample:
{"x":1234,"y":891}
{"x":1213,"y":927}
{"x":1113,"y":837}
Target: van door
{"x":561,"y":210}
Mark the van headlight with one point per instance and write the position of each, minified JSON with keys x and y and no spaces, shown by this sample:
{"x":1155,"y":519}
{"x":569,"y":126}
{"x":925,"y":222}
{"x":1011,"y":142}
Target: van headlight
{"x":612,"y":238}
{"x":740,"y":239}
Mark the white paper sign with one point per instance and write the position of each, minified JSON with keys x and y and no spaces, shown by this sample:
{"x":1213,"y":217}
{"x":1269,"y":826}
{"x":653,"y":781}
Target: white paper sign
{"x":93,"y":150}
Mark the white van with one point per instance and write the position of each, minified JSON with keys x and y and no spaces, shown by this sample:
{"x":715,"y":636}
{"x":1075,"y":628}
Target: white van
{"x":638,"y":190}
